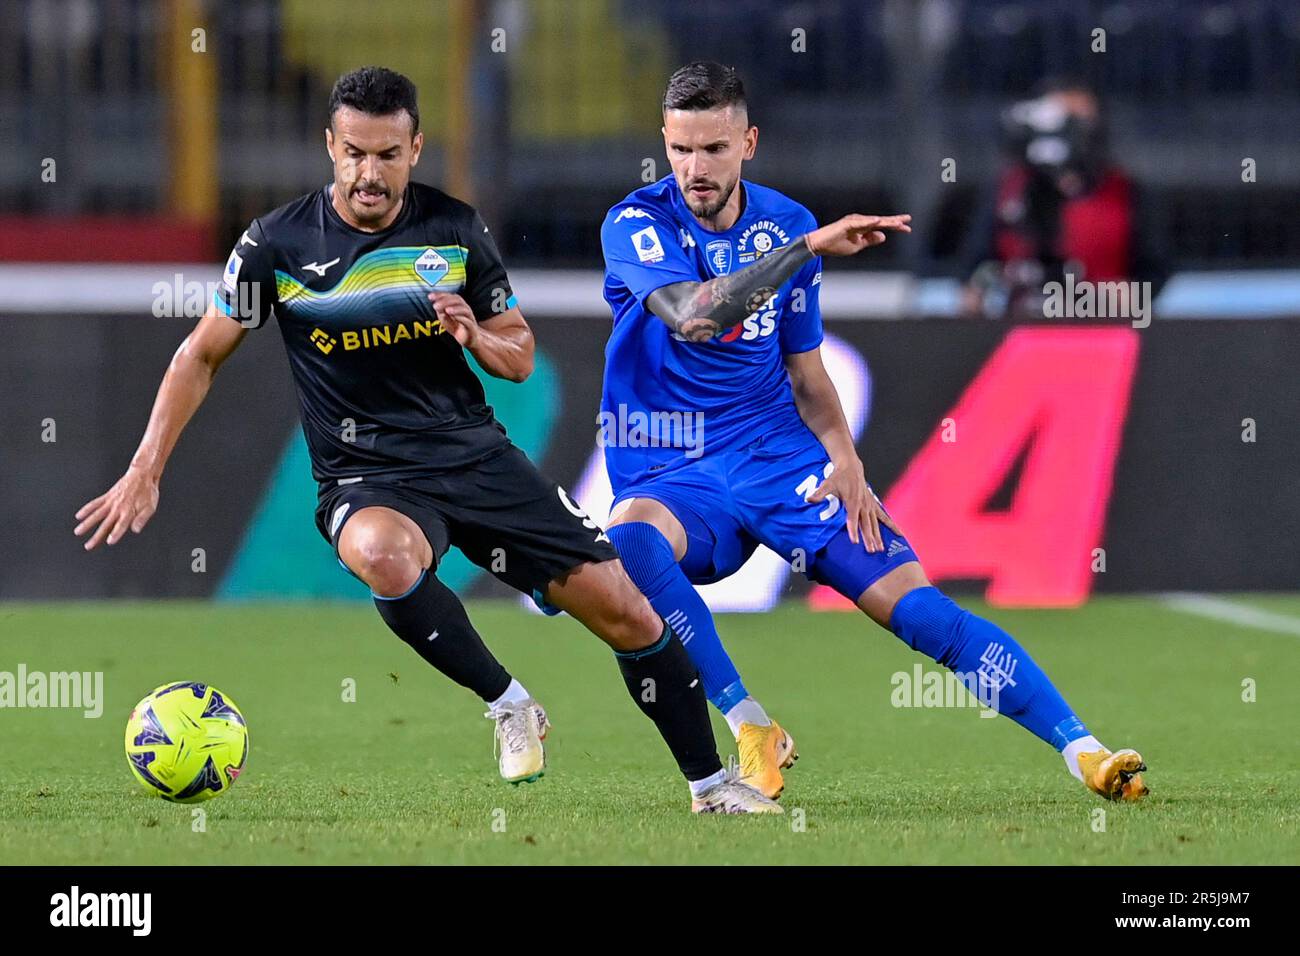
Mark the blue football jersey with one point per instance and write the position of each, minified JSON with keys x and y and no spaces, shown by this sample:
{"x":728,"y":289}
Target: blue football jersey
{"x":732,"y":388}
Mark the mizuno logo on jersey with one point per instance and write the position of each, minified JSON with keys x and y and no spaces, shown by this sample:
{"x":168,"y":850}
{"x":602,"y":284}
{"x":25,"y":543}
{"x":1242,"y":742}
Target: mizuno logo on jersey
{"x":319,"y":268}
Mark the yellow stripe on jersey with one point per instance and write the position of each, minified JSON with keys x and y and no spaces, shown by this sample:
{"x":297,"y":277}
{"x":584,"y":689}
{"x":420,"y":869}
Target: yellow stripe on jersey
{"x":396,"y":276}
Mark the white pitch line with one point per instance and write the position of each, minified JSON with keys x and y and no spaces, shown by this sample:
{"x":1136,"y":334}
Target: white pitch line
{"x":1219,"y":609}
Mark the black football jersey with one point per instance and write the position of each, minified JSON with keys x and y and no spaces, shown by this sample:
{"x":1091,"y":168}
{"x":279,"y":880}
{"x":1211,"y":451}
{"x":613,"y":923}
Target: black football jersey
{"x":382,"y":389}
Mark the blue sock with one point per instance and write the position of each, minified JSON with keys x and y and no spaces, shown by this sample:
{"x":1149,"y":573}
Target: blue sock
{"x":648,"y":558}
{"x":931,"y":623}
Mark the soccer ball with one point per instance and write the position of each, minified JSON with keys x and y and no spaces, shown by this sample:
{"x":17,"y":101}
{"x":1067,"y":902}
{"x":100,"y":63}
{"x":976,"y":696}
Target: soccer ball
{"x":186,"y":742}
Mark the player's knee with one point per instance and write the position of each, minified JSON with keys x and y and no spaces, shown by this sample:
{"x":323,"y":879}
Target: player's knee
{"x":390,"y":574}
{"x":389,"y":564}
{"x":930,"y":622}
{"x":604,"y":599}
{"x":845,"y":560}
{"x":634,"y":627}
{"x":630,"y":623}
{"x":633,"y":512}
{"x":646,"y":554}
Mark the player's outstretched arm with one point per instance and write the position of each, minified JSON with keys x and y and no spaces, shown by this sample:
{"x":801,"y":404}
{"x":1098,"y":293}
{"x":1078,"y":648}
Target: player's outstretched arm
{"x":700,"y":310}
{"x":502,"y":344}
{"x":131,"y":502}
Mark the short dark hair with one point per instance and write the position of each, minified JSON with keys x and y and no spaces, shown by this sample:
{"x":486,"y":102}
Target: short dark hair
{"x":704,"y":85}
{"x":376,"y":91}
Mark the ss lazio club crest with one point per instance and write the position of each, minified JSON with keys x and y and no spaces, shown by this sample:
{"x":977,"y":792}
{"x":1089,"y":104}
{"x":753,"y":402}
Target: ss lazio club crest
{"x":718,"y":253}
{"x":431,"y":266}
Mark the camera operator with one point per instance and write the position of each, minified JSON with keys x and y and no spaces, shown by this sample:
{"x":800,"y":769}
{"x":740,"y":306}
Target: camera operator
{"x":1061,"y":206}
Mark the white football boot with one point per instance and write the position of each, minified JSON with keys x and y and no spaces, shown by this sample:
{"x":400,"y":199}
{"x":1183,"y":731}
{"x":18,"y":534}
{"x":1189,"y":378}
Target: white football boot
{"x":732,"y":795}
{"x":520,"y":730}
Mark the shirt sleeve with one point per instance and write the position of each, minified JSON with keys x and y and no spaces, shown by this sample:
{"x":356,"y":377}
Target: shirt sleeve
{"x":247,"y":290}
{"x":642,"y":251}
{"x":487,"y":287}
{"x":801,"y":326}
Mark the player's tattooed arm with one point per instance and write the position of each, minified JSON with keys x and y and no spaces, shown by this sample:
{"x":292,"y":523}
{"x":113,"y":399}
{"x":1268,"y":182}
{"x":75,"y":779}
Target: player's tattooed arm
{"x":697,"y":311}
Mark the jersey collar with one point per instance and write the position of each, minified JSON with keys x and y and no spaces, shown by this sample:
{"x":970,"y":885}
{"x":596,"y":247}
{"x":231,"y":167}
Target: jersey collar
{"x":328,"y":194}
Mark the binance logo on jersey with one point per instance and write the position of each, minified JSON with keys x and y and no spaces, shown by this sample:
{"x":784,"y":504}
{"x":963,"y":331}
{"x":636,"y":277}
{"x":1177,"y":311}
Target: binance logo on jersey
{"x":323,"y":340}
{"x":376,"y":336}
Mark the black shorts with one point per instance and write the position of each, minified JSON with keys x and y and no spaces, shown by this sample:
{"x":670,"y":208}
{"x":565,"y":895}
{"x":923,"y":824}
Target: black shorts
{"x":506,"y":517}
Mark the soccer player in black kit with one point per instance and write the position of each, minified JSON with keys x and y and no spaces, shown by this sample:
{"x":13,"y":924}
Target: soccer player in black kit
{"x":379,"y":286}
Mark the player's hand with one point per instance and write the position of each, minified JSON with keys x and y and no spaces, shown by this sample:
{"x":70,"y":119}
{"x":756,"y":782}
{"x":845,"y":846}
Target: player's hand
{"x":863,"y":512}
{"x":456,"y":317}
{"x":852,"y":234}
{"x":130,"y":503}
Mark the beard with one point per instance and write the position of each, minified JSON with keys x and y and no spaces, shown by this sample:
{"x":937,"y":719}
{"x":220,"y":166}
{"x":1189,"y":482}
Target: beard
{"x":708,"y":210}
{"x":376,"y":212}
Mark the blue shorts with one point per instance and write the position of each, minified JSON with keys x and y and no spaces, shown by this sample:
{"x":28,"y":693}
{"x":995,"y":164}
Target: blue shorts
{"x":731,"y":502}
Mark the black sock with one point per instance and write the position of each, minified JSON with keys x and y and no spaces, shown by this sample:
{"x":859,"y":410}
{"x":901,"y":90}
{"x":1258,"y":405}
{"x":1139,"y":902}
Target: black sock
{"x":432,"y":620}
{"x":666,"y":686}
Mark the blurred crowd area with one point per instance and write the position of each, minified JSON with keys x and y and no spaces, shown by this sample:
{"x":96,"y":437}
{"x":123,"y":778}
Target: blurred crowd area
{"x":545,"y":112}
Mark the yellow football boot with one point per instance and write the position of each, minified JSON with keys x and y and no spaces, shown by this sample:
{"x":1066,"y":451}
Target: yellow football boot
{"x":1115,"y":776}
{"x":764,"y":753}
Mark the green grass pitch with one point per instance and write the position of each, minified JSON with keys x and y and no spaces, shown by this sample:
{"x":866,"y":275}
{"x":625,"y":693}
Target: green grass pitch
{"x":405,"y":774}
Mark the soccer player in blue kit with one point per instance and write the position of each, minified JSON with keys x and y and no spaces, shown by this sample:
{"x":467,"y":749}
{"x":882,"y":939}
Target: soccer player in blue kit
{"x":713,"y":283}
